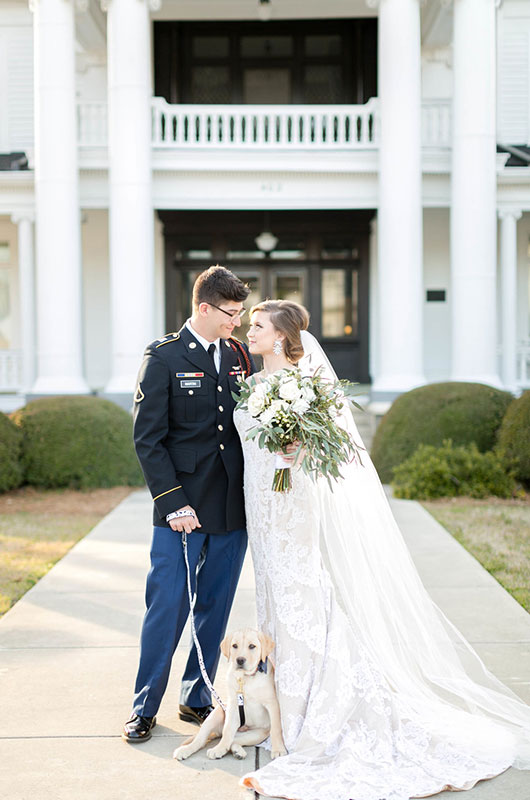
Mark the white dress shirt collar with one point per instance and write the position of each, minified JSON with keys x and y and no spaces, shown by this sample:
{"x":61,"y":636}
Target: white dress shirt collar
{"x":205,"y":343}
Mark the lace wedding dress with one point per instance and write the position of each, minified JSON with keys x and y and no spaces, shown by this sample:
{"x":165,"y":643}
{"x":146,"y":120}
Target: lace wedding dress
{"x":357,"y":724}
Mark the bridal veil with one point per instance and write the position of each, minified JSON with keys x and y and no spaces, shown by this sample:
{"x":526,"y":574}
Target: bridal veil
{"x":423,"y":657}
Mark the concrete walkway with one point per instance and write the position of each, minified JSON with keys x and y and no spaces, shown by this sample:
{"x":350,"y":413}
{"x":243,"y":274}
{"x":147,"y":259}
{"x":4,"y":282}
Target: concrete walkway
{"x":68,"y":657}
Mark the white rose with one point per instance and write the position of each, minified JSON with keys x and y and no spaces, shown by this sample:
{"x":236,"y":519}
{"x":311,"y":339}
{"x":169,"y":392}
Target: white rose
{"x":289,"y":390}
{"x":277,"y":405}
{"x":261,"y":389}
{"x":300,"y":406}
{"x":267,"y":416}
{"x":308,"y":394}
{"x":255,"y":404}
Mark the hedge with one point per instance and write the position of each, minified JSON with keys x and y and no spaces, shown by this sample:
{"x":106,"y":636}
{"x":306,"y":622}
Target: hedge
{"x":10,"y":450}
{"x":462,"y":412}
{"x":514,"y":437}
{"x":79,"y":442}
{"x":450,"y":471}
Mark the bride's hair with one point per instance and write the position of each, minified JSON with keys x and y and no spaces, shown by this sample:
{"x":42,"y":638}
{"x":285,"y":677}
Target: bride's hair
{"x":288,"y":318}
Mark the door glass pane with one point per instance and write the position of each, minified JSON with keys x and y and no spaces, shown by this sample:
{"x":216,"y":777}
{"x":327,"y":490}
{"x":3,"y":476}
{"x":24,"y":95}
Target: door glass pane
{"x":339,"y":303}
{"x":288,"y":286}
{"x":322,"y":83}
{"x":266,"y":46}
{"x":319,"y":46}
{"x":210,"y":85}
{"x":210,"y":46}
{"x":267,"y":86}
{"x":256,"y":295}
{"x":243,"y":247}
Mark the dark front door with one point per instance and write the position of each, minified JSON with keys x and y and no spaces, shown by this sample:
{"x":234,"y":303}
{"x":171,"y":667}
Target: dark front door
{"x":320,"y":260}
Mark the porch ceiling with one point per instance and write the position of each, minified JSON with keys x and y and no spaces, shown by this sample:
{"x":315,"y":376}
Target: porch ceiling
{"x":248,"y":9}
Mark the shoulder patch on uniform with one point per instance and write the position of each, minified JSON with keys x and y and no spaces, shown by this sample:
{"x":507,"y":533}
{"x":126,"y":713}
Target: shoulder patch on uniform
{"x":138,"y":395}
{"x":169,"y":337}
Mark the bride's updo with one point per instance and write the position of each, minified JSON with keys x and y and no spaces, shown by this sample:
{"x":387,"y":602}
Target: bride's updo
{"x":288,"y":318}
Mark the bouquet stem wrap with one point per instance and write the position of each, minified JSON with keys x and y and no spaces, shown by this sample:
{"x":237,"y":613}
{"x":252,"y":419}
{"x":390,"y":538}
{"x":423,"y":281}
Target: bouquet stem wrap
{"x":282,"y":475}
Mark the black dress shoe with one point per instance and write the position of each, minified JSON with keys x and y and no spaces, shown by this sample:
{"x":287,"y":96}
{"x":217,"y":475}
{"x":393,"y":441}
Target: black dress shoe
{"x":138,"y":729}
{"x":197,"y":715}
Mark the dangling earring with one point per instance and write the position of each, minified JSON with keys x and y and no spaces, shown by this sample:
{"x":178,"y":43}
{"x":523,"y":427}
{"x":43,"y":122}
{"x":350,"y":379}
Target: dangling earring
{"x":277,"y":347}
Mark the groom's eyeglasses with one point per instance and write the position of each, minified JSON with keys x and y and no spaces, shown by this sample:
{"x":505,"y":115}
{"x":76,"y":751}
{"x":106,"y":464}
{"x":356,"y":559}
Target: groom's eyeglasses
{"x":231,"y":314}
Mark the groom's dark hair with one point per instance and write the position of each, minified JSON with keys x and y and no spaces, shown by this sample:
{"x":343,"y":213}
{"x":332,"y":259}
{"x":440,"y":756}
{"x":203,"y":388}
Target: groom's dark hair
{"x":217,"y":285}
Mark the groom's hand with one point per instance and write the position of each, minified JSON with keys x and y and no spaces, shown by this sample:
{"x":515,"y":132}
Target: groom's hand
{"x":187,"y":524}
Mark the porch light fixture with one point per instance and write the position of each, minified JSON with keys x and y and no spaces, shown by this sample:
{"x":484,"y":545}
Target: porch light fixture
{"x":264,"y":10}
{"x":266,"y":242}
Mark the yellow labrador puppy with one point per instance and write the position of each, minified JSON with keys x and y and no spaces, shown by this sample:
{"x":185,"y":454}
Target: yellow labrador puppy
{"x":250,"y":677}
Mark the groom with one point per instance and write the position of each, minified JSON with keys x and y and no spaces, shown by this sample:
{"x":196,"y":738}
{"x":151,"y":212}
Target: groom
{"x":191,"y":458}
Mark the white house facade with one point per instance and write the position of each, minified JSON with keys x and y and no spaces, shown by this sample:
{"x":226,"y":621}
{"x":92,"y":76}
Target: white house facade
{"x":369,"y":158}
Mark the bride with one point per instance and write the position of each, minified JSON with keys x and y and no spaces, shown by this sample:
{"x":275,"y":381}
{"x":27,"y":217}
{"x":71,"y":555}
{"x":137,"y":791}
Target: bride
{"x":380,"y":696}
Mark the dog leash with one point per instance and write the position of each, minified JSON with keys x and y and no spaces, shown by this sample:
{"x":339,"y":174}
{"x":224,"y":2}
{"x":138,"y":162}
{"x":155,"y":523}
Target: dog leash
{"x":191,"y":599}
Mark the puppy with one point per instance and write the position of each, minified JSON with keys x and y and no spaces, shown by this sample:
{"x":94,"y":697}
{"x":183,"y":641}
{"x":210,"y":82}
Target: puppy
{"x":251,"y":674}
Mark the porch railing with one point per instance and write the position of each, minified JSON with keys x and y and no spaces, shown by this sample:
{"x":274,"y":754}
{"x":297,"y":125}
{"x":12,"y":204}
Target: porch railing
{"x":523,"y":364}
{"x":10,"y":370}
{"x":264,"y":126}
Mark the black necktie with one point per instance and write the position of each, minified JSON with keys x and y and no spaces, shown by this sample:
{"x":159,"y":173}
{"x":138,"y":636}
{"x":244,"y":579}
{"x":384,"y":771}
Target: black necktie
{"x":211,"y":352}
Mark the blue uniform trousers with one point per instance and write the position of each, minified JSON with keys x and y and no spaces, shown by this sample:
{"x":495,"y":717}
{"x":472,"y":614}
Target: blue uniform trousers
{"x":166,"y":598}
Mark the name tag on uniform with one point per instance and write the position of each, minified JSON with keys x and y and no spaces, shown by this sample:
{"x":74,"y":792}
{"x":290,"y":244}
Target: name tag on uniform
{"x":189,"y":375}
{"x":190,"y":384}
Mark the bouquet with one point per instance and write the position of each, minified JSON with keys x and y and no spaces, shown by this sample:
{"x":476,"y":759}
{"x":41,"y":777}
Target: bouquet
{"x":290,"y":408}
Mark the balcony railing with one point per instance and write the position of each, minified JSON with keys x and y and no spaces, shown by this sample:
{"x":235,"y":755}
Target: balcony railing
{"x":436,"y":123}
{"x":267,"y":127}
{"x":10,"y":370}
{"x":247,"y":126}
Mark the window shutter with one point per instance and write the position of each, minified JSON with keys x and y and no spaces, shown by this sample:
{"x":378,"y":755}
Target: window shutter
{"x":19,"y":53}
{"x":513,"y":84}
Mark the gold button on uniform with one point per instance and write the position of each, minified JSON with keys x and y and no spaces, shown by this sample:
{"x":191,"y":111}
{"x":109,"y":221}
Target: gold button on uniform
{"x":222,"y":446}
{"x":219,"y":388}
{"x":190,"y":391}
{"x":220,"y":427}
{"x":221,"y":408}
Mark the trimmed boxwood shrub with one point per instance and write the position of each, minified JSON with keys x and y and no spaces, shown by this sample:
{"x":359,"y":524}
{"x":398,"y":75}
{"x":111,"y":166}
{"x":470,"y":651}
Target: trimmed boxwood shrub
{"x":10,"y":466}
{"x":462,"y":412}
{"x":80,"y":442}
{"x":449,"y":471}
{"x":514,"y":437}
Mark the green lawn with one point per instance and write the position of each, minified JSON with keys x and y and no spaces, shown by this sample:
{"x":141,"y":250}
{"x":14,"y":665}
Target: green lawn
{"x":497,"y":533}
{"x":37,"y":528}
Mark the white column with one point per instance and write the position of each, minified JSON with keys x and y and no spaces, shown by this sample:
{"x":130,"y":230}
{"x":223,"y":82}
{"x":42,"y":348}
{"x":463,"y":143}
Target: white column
{"x":509,"y":296}
{"x":374,"y":292}
{"x":473,"y":194}
{"x":131,"y":238}
{"x":400,"y":271}
{"x":26,"y":273}
{"x":58,"y":233}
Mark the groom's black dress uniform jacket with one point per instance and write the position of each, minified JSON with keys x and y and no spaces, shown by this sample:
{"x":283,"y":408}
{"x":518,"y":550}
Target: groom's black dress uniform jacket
{"x":184,"y":436}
